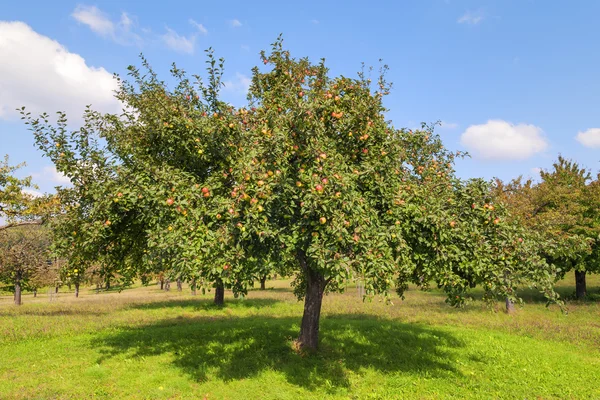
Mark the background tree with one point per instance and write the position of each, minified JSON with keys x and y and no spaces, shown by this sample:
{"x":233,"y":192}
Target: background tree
{"x":24,"y":253}
{"x":563,"y":209}
{"x":309,"y":175}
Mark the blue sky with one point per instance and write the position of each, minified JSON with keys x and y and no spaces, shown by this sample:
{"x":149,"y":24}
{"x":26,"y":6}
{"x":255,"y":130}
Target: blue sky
{"x":514,"y":82}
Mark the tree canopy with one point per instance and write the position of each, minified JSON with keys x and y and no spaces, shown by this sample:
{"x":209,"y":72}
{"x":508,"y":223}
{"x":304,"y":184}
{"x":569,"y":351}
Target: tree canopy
{"x":309,"y":177}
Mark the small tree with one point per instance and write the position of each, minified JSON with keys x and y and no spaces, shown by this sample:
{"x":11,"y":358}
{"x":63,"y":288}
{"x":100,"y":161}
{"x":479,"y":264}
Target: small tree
{"x":24,"y":253}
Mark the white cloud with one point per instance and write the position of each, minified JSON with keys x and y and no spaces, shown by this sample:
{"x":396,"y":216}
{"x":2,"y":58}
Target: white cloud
{"x":235,"y":23}
{"x":589,"y":138}
{"x":501,"y":140}
{"x":41,"y":74}
{"x":176,"y":42}
{"x":448,"y":125}
{"x":51,"y":175}
{"x":314,"y":21}
{"x":536,"y":171}
{"x":240,"y":85}
{"x":100,"y":23}
{"x":32,"y":193}
{"x":471,"y":18}
{"x":200,"y":27}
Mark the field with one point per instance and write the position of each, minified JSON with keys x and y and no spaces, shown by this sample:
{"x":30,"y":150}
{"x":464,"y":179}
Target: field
{"x":144,"y":343}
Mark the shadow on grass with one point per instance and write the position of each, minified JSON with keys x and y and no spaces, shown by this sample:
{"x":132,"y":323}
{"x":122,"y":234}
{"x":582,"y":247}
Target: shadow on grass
{"x":204,"y":304}
{"x":235,"y":348}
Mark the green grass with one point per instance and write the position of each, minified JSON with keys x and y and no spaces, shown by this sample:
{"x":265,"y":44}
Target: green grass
{"x":144,"y":343}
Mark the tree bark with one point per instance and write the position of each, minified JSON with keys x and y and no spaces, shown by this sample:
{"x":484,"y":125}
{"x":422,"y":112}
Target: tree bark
{"x":167,"y":285}
{"x":77,"y":289}
{"x":34,"y":292}
{"x":510,"y":306}
{"x":580,"y":286}
{"x":18,"y":277}
{"x":162,"y":284}
{"x":219,"y":293}
{"x":179,"y":286}
{"x":315,"y":287}
{"x":263,"y":281}
{"x":107,"y":284}
{"x":56,"y":289}
{"x":194,"y":287}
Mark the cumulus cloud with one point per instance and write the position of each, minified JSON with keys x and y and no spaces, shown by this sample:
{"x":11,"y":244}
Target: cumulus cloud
{"x":41,"y":74}
{"x":239,"y":85}
{"x":100,"y":23}
{"x":235,"y":23}
{"x":471,"y":18}
{"x":589,"y":138}
{"x":501,"y":140}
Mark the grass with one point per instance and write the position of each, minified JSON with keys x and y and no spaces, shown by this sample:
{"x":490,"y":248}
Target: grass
{"x":143,"y":343}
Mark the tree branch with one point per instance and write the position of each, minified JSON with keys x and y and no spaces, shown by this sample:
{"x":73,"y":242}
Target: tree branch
{"x":23,"y":223}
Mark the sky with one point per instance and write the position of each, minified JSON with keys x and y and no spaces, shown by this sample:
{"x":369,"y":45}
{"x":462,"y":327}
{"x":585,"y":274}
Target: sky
{"x":514,"y":82}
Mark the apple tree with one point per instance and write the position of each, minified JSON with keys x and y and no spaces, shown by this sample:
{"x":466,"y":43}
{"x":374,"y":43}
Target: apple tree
{"x":309,"y":177}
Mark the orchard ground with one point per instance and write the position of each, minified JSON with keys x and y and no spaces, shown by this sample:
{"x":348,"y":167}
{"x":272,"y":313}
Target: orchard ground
{"x":145,"y":343}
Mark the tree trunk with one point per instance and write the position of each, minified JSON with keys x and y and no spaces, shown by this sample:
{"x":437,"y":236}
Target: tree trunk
{"x":219,"y":293}
{"x":510,"y":306}
{"x":107,"y":283}
{"x":179,"y":286}
{"x":69,"y":285}
{"x":77,"y":289}
{"x":580,"y":287}
{"x":167,"y":285}
{"x":18,"y":277}
{"x":194,"y":287}
{"x":263,"y":281}
{"x":56,"y":289}
{"x":162,"y":284}
{"x":315,"y":287}
{"x":34,"y":292}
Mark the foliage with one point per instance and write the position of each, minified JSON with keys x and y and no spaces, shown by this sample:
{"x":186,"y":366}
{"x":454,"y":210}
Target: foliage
{"x":24,"y":255}
{"x":563,"y":209}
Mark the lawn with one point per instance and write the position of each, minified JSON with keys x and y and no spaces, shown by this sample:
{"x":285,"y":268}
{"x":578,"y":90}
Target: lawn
{"x":143,"y":343}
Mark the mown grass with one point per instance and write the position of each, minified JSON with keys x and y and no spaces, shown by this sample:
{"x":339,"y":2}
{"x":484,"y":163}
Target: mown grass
{"x":144,"y":343}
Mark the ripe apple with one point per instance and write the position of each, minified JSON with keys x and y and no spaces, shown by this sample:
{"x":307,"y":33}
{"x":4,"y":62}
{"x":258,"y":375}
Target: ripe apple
{"x":260,"y":183}
{"x":119,"y":194}
{"x":225,"y":267}
{"x":452,"y":224}
{"x":301,"y":94}
{"x":496,"y":221}
{"x":338,"y":194}
{"x":205,"y":190}
{"x":219,"y":216}
{"x":325,"y":181}
{"x":322,"y":220}
{"x":170,"y":201}
{"x":319,"y":188}
{"x":298,"y":183}
{"x":207,"y":194}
